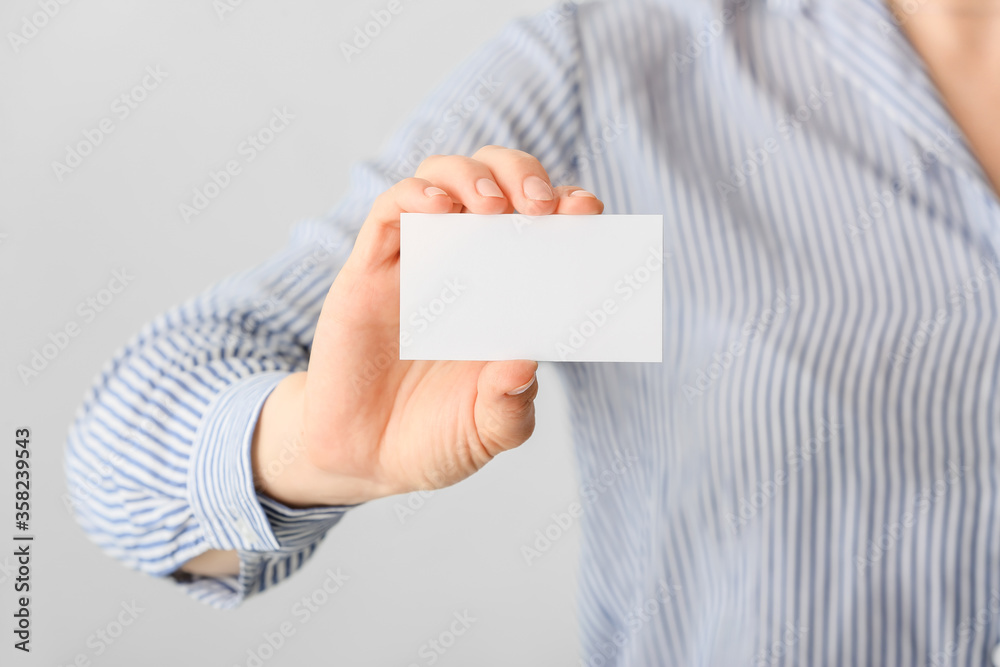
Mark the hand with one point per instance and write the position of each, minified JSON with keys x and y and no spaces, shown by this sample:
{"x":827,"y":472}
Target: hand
{"x":371,"y":425}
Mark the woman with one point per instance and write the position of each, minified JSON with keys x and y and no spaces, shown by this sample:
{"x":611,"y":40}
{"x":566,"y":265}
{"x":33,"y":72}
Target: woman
{"x":809,"y":478}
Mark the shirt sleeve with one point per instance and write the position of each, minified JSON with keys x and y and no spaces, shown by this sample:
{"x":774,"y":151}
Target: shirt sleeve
{"x":158,"y":456}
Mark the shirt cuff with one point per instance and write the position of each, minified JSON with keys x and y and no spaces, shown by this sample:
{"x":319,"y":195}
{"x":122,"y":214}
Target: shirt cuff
{"x":220,"y":483}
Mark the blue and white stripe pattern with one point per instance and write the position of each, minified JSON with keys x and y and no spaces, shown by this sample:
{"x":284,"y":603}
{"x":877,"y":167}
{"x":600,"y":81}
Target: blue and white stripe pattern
{"x":811,"y":475}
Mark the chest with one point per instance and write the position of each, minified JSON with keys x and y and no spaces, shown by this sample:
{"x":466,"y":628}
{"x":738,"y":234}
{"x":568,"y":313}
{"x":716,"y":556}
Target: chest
{"x":817,"y":269}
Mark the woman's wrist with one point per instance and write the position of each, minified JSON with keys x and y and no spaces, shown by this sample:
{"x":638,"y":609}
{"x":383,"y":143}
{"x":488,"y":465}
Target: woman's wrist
{"x":281,"y":466}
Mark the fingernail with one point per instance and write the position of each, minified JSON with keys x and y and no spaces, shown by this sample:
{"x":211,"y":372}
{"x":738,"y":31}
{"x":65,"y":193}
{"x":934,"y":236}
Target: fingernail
{"x":523,"y":388}
{"x":582,"y":193}
{"x":487,"y":188}
{"x":433,"y":192}
{"x":537,"y":189}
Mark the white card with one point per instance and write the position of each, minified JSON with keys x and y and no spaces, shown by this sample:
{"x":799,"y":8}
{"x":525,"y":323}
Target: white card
{"x":548,"y":288}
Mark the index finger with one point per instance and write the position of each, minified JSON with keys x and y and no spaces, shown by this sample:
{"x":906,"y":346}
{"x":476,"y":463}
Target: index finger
{"x":522,"y":178}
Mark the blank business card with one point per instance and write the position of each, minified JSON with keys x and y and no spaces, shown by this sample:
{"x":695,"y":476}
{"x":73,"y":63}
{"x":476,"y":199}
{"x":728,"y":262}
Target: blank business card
{"x":548,"y":288}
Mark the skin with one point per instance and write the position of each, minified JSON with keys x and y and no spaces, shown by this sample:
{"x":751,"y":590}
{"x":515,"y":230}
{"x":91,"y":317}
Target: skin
{"x":959,"y":42}
{"x":414,"y":425}
{"x":426,"y":425}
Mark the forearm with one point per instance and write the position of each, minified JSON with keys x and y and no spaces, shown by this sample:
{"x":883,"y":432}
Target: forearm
{"x":241,"y":494}
{"x":282,"y":470}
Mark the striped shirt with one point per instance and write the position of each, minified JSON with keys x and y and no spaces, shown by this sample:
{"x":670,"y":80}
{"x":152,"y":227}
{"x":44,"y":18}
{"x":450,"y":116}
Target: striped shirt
{"x":811,"y":475}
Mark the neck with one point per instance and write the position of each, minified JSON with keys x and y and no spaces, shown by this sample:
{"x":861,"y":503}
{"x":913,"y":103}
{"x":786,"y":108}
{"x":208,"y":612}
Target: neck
{"x":956,"y":29}
{"x":959,"y":42}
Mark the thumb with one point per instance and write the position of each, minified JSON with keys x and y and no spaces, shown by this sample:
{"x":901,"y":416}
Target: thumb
{"x":505,"y":404}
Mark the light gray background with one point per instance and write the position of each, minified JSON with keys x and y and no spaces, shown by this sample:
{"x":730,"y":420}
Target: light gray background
{"x":61,"y":241}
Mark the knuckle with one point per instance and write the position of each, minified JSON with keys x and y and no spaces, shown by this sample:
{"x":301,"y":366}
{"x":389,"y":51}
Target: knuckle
{"x":515,"y":414}
{"x":396,"y":188}
{"x":489,"y":148}
{"x":407,"y":184}
{"x":431,"y":161}
{"x":525,"y":160}
{"x":450,"y":167}
{"x":435,"y":160}
{"x":523,"y":155}
{"x":505,"y":153}
{"x":385,"y":198}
